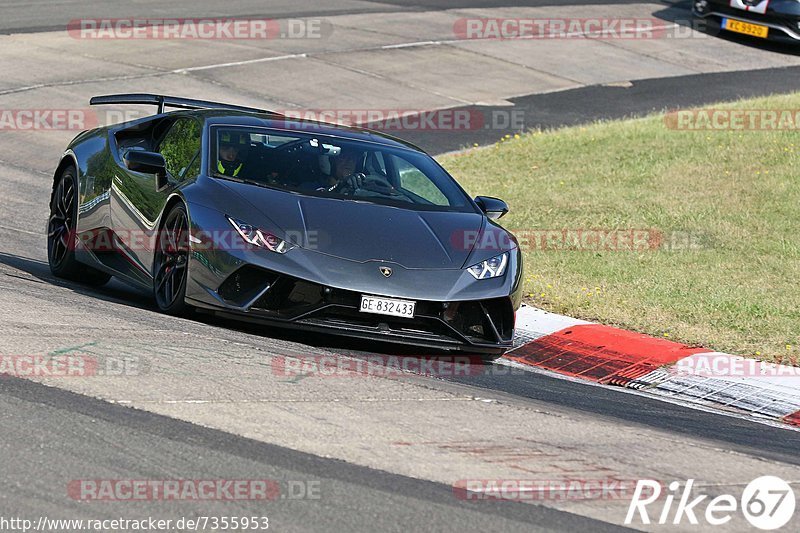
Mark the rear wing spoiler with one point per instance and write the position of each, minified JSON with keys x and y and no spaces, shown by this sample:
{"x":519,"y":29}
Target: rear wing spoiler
{"x":169,"y":101}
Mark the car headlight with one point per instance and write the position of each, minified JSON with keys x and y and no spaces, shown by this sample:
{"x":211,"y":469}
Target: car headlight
{"x":263,"y":239}
{"x":491,"y":268}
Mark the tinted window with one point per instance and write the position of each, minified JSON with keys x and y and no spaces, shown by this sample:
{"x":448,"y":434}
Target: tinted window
{"x":181,"y":147}
{"x":414,"y":181}
{"x":322,"y":165}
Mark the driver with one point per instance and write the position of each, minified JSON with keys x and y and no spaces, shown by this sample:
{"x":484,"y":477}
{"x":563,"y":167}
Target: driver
{"x":344,"y":175}
{"x":233,"y":148}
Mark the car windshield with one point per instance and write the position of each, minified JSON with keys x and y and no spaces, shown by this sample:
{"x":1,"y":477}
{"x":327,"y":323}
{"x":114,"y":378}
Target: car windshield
{"x":326,"y":166}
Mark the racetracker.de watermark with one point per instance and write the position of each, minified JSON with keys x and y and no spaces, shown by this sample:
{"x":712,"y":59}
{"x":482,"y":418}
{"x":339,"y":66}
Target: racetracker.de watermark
{"x":577,"y":28}
{"x":70,"y":366}
{"x":336,"y":366}
{"x":543,"y":489}
{"x":132,"y":490}
{"x":47,"y":119}
{"x":388,"y":119}
{"x":722,"y":365}
{"x":137,"y":240}
{"x":580,"y":239}
{"x":77,"y":119}
{"x":733,"y":120}
{"x":384,"y":119}
{"x":198,"y":29}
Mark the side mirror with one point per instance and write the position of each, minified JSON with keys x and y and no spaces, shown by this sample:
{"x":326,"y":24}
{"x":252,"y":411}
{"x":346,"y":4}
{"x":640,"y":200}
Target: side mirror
{"x":147,"y":163}
{"x":493,"y":207}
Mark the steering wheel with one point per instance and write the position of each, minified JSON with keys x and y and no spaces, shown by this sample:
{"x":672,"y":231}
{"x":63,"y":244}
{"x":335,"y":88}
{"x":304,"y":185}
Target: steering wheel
{"x":378,"y":184}
{"x":349,"y":184}
{"x":382,"y":185}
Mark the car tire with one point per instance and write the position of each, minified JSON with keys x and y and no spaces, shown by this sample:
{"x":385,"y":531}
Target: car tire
{"x":61,"y":237}
{"x":171,"y":262}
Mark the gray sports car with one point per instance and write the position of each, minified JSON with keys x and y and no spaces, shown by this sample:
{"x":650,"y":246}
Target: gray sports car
{"x":246,"y":213}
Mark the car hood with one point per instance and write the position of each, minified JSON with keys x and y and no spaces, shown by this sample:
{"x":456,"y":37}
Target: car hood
{"x":363,"y":231}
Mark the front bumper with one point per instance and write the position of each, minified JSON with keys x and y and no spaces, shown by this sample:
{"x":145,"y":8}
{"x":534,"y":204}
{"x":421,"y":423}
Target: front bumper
{"x":781,"y":16}
{"x":254,"y":294}
{"x":318,"y":292}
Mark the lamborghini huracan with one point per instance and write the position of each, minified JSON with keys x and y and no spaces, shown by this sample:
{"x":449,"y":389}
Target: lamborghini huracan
{"x":248,"y":214}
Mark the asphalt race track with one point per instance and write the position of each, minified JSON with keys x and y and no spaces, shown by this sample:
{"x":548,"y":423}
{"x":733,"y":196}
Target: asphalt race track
{"x":355,"y":497}
{"x":206,"y":398}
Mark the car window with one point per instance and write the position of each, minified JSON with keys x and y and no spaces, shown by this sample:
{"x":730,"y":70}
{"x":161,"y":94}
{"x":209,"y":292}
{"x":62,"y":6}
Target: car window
{"x":415,"y":181}
{"x":181,"y":147}
{"x":330,"y":166}
{"x":193,"y":170}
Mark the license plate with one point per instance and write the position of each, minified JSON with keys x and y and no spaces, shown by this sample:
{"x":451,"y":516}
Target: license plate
{"x":387,"y":306}
{"x":755,"y":30}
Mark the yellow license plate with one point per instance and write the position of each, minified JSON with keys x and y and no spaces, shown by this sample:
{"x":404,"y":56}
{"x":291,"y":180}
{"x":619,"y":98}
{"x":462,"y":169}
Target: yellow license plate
{"x":755,"y":30}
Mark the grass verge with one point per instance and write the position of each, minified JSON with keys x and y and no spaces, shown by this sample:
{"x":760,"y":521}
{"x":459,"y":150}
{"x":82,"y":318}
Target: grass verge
{"x":720,"y":211}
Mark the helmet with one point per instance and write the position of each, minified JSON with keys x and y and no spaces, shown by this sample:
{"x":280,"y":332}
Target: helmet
{"x":237,"y":140}
{"x":233,"y":138}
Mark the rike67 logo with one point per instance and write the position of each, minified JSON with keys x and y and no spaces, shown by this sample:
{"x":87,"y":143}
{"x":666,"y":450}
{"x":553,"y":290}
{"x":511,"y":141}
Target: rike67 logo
{"x":767,"y":503}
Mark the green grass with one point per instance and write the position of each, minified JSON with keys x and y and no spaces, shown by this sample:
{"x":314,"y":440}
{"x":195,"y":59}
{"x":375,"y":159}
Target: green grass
{"x":736,"y":192}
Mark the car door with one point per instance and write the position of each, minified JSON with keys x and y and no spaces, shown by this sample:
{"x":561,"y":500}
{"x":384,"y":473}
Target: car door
{"x":139,"y":200}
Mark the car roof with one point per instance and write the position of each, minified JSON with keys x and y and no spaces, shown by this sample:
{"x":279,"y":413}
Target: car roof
{"x":225,"y":117}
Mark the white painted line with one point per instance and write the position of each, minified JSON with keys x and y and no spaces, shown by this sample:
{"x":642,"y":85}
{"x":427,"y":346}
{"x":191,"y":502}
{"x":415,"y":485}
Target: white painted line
{"x":527,"y":37}
{"x":239,"y":63}
{"x":412,"y":45}
{"x":275,"y":400}
{"x":67,"y":83}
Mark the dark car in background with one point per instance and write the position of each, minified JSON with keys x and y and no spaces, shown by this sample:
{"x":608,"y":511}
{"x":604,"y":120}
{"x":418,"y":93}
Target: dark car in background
{"x":248,"y":214}
{"x":763,"y":19}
